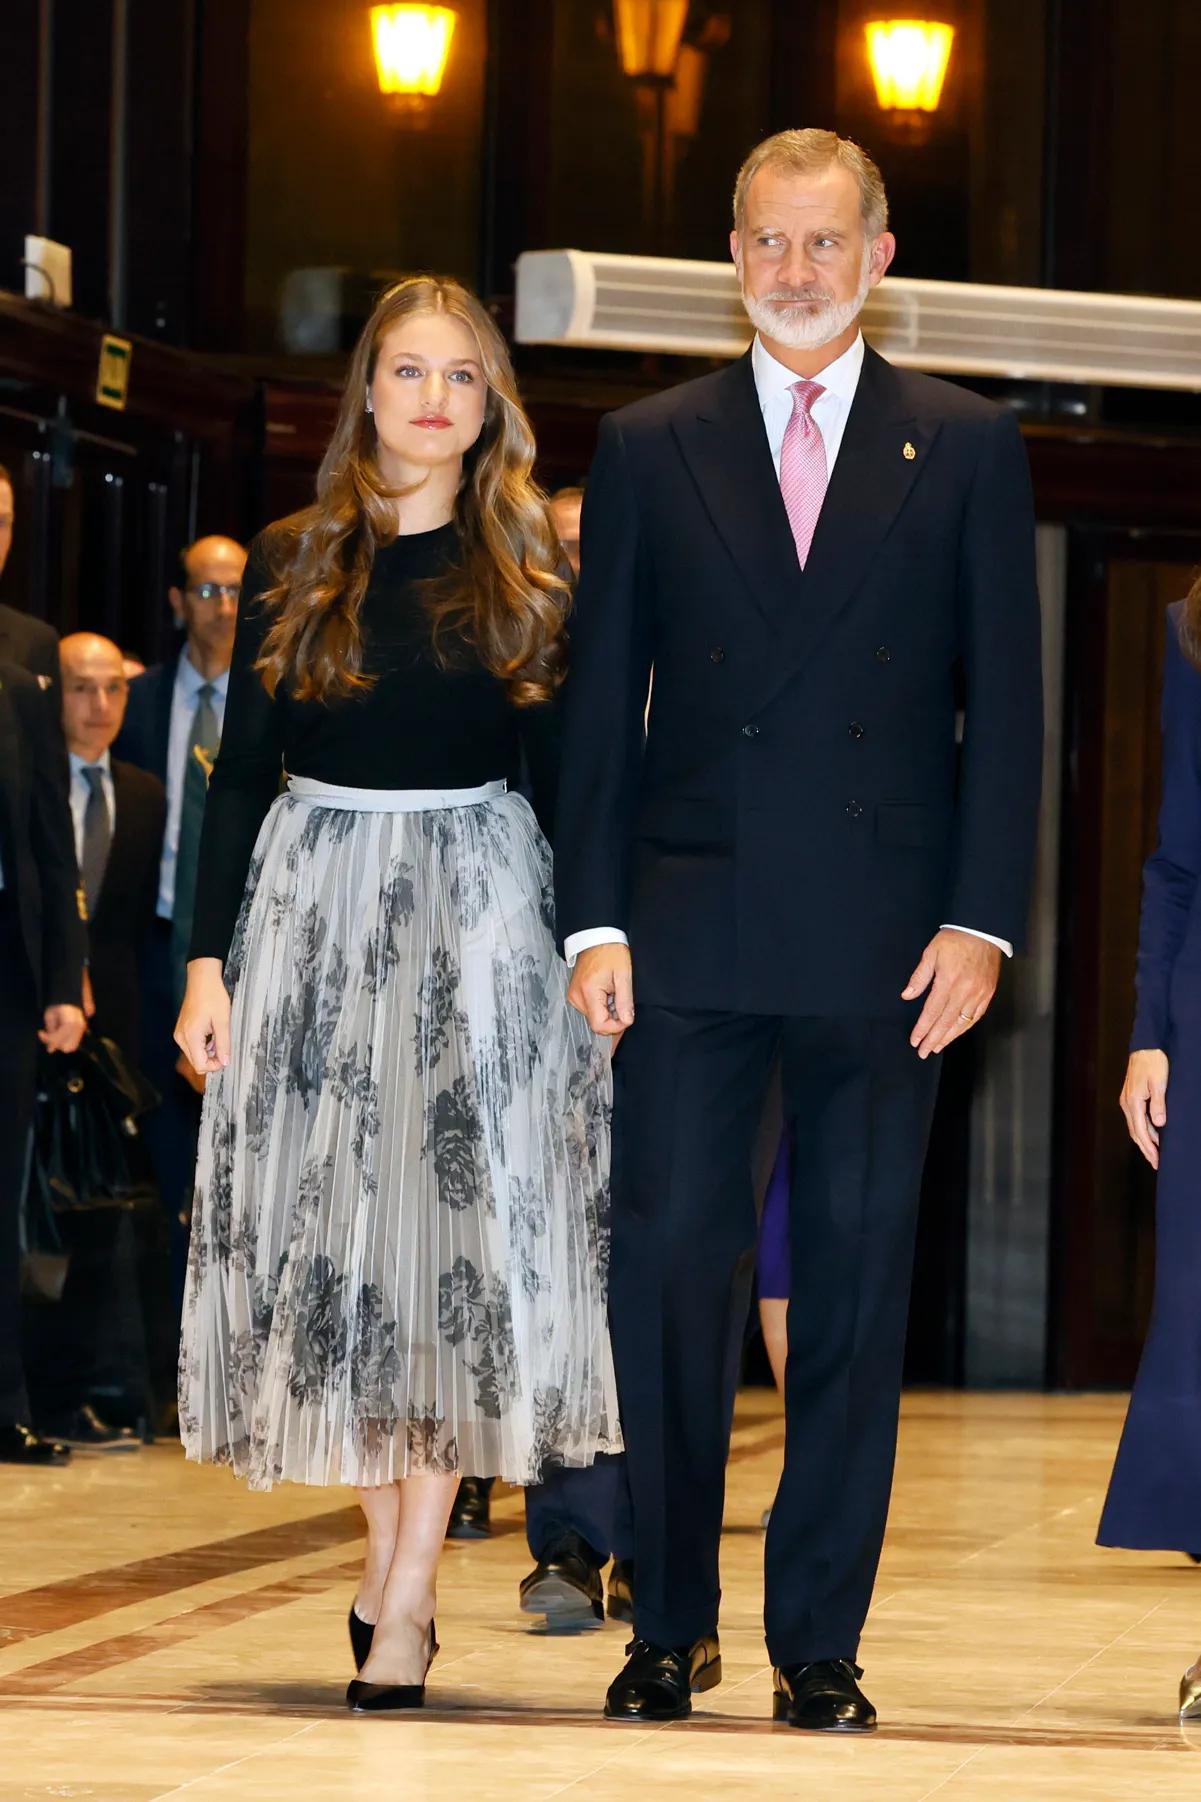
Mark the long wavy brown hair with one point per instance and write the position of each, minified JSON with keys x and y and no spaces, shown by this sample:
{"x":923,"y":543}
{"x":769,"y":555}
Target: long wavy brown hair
{"x":504,"y":596}
{"x":1190,"y":624}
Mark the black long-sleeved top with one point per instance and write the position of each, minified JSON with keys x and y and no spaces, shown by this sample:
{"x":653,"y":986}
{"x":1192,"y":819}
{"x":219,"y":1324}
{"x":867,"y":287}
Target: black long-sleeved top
{"x":420,"y":725}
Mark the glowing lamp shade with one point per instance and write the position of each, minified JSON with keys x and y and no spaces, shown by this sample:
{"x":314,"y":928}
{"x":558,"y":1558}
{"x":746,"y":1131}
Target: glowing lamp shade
{"x":648,"y":36}
{"x":412,"y":44}
{"x":909,"y":63}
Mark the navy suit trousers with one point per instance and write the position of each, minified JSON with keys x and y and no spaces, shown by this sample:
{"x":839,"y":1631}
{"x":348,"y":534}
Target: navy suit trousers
{"x":690,"y":1090}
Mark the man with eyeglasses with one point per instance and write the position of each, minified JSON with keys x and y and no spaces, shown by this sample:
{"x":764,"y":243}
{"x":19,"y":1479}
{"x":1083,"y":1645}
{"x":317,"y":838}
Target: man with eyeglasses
{"x":172,"y":728}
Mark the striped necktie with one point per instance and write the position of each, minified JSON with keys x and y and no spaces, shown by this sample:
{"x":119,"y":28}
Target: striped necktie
{"x":97,"y":835}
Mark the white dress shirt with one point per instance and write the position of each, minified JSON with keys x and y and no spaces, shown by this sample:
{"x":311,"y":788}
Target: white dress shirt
{"x":184,"y":701}
{"x":831,"y":410}
{"x":81,"y":790}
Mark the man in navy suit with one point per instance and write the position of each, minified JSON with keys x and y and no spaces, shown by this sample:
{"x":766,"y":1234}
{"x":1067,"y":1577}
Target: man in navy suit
{"x":819,"y":553}
{"x":172,"y":727}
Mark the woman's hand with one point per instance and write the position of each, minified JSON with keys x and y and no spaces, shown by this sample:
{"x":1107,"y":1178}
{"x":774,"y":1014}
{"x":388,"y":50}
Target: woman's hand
{"x":202,"y":1030}
{"x":1145,"y":1101}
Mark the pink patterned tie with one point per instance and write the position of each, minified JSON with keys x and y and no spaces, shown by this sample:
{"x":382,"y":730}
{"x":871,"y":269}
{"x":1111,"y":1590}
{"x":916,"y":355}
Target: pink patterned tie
{"x":803,"y":475}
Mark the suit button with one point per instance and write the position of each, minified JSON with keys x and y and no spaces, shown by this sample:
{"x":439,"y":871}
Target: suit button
{"x":854,"y":809}
{"x":855,"y":729}
{"x":750,"y":731}
{"x":717,"y":656}
{"x":883,"y":655}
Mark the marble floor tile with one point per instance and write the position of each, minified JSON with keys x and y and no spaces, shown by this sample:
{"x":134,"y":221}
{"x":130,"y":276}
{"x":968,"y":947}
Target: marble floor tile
{"x":164,"y":1632}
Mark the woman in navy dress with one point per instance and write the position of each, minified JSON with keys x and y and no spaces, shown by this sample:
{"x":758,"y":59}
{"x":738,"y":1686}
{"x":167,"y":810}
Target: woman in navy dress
{"x":1154,"y":1500}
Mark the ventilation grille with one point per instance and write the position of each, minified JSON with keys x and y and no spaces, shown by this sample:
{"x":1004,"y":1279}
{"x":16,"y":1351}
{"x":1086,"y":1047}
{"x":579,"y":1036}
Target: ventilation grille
{"x":693,"y":309}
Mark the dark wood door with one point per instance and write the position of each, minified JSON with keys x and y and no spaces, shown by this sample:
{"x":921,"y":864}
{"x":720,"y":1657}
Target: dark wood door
{"x":1120,"y":589}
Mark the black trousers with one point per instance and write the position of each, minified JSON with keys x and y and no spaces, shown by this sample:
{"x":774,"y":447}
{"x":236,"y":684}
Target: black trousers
{"x":171,"y":1129}
{"x":19,"y":1023}
{"x":63,"y":1339}
{"x":593,"y":1502}
{"x":689,"y":1095}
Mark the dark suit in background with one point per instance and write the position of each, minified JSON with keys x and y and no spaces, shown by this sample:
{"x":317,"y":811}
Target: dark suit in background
{"x":124,"y":913}
{"x":43,"y":942}
{"x":65,"y":1342}
{"x":29,"y":642}
{"x":779,"y":854}
{"x":171,"y":1130}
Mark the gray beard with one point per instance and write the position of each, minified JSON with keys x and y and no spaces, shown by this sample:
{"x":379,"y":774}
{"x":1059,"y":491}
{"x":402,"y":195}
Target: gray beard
{"x":807,"y":328}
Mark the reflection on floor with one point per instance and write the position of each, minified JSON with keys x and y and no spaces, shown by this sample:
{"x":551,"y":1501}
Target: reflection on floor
{"x":162,"y":1631}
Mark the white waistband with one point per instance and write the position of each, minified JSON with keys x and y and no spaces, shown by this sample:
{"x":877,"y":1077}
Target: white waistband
{"x":391,"y":800}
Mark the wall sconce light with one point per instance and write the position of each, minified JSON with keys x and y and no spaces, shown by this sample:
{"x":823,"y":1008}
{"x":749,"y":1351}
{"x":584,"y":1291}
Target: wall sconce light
{"x":909,"y":63}
{"x":412,"y":45}
{"x":648,"y":37}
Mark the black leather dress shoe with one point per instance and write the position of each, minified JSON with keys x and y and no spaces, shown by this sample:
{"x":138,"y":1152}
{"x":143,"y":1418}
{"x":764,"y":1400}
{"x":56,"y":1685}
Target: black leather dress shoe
{"x":84,"y":1430}
{"x":21,"y":1445}
{"x":385,"y":1698}
{"x":471,"y":1516}
{"x":361,"y":1635}
{"x":659,"y":1682}
{"x":619,"y":1602}
{"x":565,"y":1586}
{"x":822,"y":1698}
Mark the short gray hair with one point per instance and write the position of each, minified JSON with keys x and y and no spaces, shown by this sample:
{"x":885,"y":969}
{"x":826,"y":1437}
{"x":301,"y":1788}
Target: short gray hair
{"x":807,"y":153}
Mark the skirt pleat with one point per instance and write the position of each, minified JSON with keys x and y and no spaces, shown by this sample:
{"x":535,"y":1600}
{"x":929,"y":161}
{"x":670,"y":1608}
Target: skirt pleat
{"x":400,"y":1238}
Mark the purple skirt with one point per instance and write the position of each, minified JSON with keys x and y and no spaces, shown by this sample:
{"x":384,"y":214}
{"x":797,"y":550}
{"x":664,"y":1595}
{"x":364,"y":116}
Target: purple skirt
{"x":772,"y":1265}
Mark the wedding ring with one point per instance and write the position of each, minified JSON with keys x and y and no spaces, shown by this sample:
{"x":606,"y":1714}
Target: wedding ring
{"x":968,"y":1017}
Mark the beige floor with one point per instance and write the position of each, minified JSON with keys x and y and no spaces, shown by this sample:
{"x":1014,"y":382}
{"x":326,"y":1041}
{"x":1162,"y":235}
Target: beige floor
{"x":164,"y":1633}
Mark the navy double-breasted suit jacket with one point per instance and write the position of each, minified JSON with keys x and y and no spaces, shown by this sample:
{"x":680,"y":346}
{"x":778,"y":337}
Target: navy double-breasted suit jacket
{"x":798,"y":818}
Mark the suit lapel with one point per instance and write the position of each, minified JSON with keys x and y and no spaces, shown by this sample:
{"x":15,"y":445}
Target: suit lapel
{"x":121,"y":848}
{"x":883,"y":452}
{"x":725,"y":446}
{"x":12,"y":778}
{"x":162,"y":715}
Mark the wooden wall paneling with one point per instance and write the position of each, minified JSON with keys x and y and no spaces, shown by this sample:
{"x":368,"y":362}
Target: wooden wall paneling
{"x":159,"y":167}
{"x":515,"y":189}
{"x":81,"y":88}
{"x":1078,"y":139}
{"x":802,"y":75}
{"x":1104,"y":1247}
{"x":18,"y":136}
{"x":220,"y":128}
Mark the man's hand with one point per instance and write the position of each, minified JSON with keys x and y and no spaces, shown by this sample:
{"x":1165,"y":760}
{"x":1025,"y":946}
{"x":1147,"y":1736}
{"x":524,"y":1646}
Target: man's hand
{"x":960,"y":972}
{"x":1145,"y":1101}
{"x":64,"y":1028}
{"x":602,"y":988}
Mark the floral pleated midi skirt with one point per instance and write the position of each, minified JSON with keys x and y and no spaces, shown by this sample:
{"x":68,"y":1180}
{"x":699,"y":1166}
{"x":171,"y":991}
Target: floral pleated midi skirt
{"x":400,"y":1233}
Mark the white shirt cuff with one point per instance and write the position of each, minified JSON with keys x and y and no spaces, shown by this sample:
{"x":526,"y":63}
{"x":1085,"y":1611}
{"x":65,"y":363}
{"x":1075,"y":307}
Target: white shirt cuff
{"x":576,"y":942}
{"x":1001,"y":944}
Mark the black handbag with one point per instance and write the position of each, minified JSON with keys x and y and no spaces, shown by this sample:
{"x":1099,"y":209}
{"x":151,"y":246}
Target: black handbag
{"x":87,"y":1150}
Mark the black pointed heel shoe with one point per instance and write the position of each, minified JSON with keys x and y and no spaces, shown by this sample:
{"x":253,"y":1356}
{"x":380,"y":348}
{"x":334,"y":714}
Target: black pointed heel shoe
{"x":383,"y":1698}
{"x":361,"y":1635}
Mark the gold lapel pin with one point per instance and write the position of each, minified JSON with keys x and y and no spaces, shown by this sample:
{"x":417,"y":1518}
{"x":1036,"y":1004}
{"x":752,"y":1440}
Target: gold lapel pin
{"x":908,"y":451}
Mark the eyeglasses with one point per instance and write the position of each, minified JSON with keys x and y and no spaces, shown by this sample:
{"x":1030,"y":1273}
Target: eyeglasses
{"x":214,"y":591}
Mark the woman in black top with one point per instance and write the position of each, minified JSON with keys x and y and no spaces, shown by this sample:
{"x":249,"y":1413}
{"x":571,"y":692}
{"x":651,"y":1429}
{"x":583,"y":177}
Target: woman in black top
{"x":399,"y":1249}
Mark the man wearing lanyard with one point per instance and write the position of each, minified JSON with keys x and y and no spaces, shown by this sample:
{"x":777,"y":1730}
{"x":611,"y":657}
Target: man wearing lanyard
{"x":173,"y":728}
